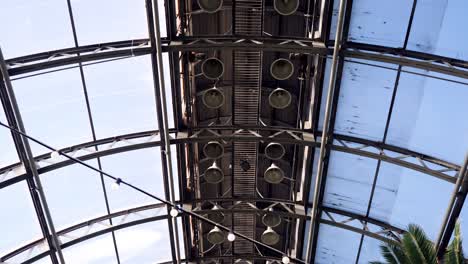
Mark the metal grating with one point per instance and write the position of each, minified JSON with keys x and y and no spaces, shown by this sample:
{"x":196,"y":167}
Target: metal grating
{"x":248,"y":17}
{"x":247,"y":79}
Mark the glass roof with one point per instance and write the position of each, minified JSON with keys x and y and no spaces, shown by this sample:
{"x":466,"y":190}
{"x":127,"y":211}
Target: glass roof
{"x":396,"y":145}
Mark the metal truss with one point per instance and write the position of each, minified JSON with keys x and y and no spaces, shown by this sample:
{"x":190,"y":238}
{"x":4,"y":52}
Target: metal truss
{"x":137,"y":47}
{"x":108,"y":146}
{"x":97,"y":226}
{"x":361,"y":224}
{"x":88,"y":229}
{"x":26,"y":157}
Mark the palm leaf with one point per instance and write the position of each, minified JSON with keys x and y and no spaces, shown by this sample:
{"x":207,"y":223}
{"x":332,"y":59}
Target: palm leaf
{"x":393,"y":253}
{"x":417,"y":247}
{"x":454,"y":254}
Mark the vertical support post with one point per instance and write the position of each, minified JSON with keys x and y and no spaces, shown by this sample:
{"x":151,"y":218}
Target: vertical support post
{"x":453,"y":210}
{"x":25,"y":154}
{"x":328,"y":110}
{"x":161,"y":107}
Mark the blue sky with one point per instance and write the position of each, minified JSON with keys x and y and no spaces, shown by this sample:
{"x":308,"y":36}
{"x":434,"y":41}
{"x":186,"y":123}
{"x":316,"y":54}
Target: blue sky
{"x":428,"y":117}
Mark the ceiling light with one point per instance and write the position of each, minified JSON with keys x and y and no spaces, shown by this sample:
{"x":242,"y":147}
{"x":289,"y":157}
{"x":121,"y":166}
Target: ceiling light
{"x":279,"y":98}
{"x":231,"y":237}
{"x":55,"y":156}
{"x":213,"y":68}
{"x":116,"y":184}
{"x":215,"y":236}
{"x":214,"y":174}
{"x":270,"y":237}
{"x":273,"y":174}
{"x":286,"y":7}
{"x":215,"y":216}
{"x":274,"y":151}
{"x":174,"y":212}
{"x":281,"y":69}
{"x":271,"y":219}
{"x":213,"y":150}
{"x":210,"y":6}
{"x":285,"y":260}
{"x":213,"y":98}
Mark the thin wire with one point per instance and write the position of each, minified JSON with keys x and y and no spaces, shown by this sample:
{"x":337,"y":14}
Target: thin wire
{"x":117,"y":179}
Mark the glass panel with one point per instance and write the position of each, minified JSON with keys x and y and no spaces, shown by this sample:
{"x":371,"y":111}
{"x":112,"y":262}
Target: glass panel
{"x":146,"y":243}
{"x":141,"y":168}
{"x":53,"y":109}
{"x":436,"y":28}
{"x":19,"y":222}
{"x":314,"y":175}
{"x":427,"y":117}
{"x":44,"y":23}
{"x":8,"y":154}
{"x":376,"y":22}
{"x":349,"y":182}
{"x":109,"y":20}
{"x":364,"y":101}
{"x":74,"y":194}
{"x":370,"y":250}
{"x":380,"y":22}
{"x":45,"y":260}
{"x":121,"y":105}
{"x":175,"y":172}
{"x":98,"y":250}
{"x":328,"y":251}
{"x":180,"y":229}
{"x":404,"y":196}
{"x":168,"y":84}
{"x":323,"y":100}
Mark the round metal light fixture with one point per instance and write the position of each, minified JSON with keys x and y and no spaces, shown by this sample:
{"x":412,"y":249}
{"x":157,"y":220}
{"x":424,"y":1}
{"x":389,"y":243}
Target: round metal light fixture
{"x":274,"y":151}
{"x":273,"y":174}
{"x":270,"y":237}
{"x":271,"y":219}
{"x":279,"y":98}
{"x":281,"y":69}
{"x":212,"y":68}
{"x":214,"y":174}
{"x":215,"y":236}
{"x":210,"y":6}
{"x":213,"y":98}
{"x":286,"y":7}
{"x":215,"y":216}
{"x":213,"y":150}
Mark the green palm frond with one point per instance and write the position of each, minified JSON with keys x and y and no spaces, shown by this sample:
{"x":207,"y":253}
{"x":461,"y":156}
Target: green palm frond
{"x":454,"y":254}
{"x":393,"y":254}
{"x":417,"y":246}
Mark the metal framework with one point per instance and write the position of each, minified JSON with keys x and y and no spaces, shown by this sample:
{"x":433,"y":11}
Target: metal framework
{"x":187,"y":137}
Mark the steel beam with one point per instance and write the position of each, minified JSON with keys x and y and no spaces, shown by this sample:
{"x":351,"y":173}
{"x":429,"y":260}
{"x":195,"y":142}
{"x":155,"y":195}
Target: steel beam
{"x":453,"y":210}
{"x":328,"y":109}
{"x":138,"y":47}
{"x":161,"y":110}
{"x":23,"y":148}
{"x":102,"y":228}
{"x":140,"y":140}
